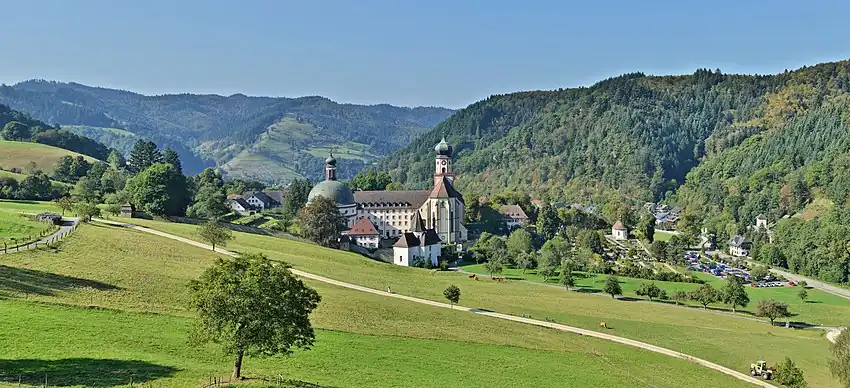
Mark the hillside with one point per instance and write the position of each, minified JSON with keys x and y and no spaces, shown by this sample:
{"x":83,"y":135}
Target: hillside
{"x":16,"y":156}
{"x":638,"y":134}
{"x":272,"y":139}
{"x":110,"y":304}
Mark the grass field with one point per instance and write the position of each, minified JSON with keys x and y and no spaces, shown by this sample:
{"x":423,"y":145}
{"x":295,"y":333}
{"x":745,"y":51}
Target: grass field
{"x":821,"y":307}
{"x":15,"y":154}
{"x":723,"y":338}
{"x":18,"y":228}
{"x":662,"y":235}
{"x":109,"y":304}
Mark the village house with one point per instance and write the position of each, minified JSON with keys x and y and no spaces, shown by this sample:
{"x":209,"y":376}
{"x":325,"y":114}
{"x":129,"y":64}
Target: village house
{"x":241,"y":206}
{"x":739,"y":246}
{"x":364,"y":234}
{"x":264,"y":200}
{"x":619,"y":231}
{"x":513,"y":216}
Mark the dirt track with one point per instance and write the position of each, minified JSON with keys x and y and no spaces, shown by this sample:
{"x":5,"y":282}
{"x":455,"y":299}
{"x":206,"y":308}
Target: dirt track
{"x":556,"y":326}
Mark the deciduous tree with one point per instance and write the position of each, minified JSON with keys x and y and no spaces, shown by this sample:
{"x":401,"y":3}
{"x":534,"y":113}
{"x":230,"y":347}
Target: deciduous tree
{"x":803,"y":294}
{"x":733,"y":293}
{"x":251,"y":305}
{"x":772,"y":309}
{"x":789,"y":375}
{"x":65,"y":204}
{"x":452,"y":294}
{"x":612,"y":286}
{"x":705,"y":295}
{"x":86,"y":211}
{"x":321,"y":222}
{"x":215,"y":234}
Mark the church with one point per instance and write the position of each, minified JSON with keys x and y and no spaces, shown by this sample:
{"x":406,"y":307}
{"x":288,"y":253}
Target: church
{"x":396,"y":214}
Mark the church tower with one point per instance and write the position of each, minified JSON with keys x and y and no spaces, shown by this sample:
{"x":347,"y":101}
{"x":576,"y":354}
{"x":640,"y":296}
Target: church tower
{"x":330,"y":168}
{"x":443,"y":162}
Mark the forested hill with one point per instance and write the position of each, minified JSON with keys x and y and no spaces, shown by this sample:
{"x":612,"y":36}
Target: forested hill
{"x":271,"y":139}
{"x":638,"y":134}
{"x":17,"y":126}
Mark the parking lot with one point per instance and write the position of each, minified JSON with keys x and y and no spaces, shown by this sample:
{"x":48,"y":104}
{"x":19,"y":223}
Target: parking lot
{"x":723,"y":269}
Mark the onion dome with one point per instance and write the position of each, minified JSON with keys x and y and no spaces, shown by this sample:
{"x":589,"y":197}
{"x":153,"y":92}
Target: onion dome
{"x":443,"y":148}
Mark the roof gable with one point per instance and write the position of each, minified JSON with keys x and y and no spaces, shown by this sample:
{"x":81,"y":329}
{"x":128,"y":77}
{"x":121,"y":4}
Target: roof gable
{"x":363,"y":227}
{"x":407,"y":240}
{"x":513,"y":211}
{"x":443,"y":189}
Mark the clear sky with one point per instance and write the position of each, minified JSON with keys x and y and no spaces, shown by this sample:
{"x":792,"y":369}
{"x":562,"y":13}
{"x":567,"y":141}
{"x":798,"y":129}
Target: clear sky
{"x":405,"y":52}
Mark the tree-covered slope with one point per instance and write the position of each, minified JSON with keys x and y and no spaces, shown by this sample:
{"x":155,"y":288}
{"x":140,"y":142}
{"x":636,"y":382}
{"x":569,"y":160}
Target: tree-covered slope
{"x":258,"y":137}
{"x":640,"y":135}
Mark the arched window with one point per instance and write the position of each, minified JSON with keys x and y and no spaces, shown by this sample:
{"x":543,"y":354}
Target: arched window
{"x":444,"y":170}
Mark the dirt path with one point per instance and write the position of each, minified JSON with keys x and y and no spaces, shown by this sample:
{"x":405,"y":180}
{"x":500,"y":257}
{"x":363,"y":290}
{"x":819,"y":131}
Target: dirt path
{"x":552,"y":325}
{"x":68,"y":225}
{"x":833,"y":333}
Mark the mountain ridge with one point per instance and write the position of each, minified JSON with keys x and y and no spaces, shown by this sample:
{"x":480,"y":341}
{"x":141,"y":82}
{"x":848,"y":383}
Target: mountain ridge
{"x":224,"y":131}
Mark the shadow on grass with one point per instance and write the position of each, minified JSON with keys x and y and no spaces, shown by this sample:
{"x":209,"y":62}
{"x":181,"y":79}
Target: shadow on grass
{"x":813,"y":301}
{"x":81,"y":371}
{"x":30,"y":281}
{"x":588,"y":290}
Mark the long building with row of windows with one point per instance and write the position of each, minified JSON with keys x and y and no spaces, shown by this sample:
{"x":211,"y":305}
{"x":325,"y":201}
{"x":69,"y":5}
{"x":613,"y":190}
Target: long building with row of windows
{"x":393,"y":212}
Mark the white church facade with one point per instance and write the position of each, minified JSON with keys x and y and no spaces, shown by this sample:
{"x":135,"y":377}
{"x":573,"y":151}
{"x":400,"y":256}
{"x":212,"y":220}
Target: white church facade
{"x":394,"y":213}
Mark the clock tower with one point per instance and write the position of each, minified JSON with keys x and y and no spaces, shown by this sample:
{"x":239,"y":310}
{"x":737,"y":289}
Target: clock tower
{"x":443,"y":162}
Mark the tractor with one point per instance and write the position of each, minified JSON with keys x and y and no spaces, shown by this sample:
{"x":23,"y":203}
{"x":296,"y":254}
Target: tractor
{"x":761,"y":369}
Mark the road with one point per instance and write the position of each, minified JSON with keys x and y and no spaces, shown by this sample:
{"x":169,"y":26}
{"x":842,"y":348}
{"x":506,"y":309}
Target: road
{"x":844,"y":293}
{"x":814,"y":283}
{"x":571,"y":329}
{"x":67,"y":226}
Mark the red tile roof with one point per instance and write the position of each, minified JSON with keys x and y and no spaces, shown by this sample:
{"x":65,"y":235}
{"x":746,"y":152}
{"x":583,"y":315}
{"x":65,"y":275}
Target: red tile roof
{"x":363,"y":227}
{"x":619,"y":226}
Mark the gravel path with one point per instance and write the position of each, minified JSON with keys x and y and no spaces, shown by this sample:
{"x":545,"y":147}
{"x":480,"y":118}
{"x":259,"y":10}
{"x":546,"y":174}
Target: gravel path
{"x":67,"y":226}
{"x":552,"y":325}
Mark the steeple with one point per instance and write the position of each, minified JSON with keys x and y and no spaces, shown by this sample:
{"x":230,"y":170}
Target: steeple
{"x":443,"y":162}
{"x":418,"y":226}
{"x":330,"y":167}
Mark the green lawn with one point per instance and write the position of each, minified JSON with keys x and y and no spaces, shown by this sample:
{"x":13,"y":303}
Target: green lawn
{"x":10,"y":206}
{"x":15,"y":154}
{"x":720,"y":337}
{"x":661,"y":235}
{"x":20,"y":228}
{"x":362,"y":339}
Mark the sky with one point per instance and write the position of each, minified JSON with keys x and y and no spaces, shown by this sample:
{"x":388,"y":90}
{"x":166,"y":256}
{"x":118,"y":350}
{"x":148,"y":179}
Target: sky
{"x":405,"y":52}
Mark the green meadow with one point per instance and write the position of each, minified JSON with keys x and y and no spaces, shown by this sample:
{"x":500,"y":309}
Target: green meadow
{"x":107,"y":306}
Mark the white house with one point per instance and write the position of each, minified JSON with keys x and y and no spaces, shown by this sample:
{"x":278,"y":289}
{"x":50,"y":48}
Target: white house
{"x":513,"y":216}
{"x":619,"y":231}
{"x":364,"y":234}
{"x":417,"y":243}
{"x":739,"y":246}
{"x":241,"y":206}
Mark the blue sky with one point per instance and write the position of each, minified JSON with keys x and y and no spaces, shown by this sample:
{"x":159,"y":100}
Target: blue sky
{"x":405,"y":52}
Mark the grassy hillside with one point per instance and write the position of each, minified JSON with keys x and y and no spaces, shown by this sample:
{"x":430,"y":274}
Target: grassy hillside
{"x":233,"y":131}
{"x":48,"y":294}
{"x":18,"y":155}
{"x":714,"y":336}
